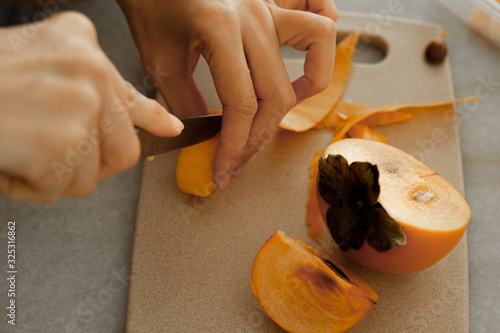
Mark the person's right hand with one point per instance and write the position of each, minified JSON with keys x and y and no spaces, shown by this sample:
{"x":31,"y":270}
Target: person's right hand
{"x":66,"y":115}
{"x":240,"y":40}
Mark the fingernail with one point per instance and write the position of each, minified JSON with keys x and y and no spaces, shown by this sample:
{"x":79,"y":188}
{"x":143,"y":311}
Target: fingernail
{"x":224,"y":181}
{"x":176,"y":122}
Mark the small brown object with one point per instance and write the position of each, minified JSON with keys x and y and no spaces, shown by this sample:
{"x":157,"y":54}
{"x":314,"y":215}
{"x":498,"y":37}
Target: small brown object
{"x":436,"y":50}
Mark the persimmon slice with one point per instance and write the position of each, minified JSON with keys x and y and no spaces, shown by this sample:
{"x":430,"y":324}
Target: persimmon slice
{"x":194,"y":168}
{"x":432,"y":215}
{"x":306,"y":291}
{"x":311,"y":111}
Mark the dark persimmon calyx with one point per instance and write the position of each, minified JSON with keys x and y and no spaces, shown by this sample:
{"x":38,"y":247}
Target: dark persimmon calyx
{"x":355,"y":215}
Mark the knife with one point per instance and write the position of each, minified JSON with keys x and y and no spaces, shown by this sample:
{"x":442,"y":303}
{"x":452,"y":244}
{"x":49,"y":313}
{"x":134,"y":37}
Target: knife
{"x":196,"y":130}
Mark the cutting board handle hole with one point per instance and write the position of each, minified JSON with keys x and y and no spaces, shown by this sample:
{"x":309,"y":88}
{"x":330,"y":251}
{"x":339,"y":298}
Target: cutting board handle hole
{"x":371,"y":49}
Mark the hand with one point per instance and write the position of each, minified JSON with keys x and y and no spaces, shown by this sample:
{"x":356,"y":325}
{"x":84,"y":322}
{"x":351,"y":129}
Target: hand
{"x":240,"y":39}
{"x":66,"y":115}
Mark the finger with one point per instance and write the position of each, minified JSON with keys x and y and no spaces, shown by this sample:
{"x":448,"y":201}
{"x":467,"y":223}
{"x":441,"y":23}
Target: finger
{"x":312,"y":33}
{"x":322,"y":7}
{"x":147,"y":113}
{"x":239,"y":103}
{"x":120,"y":148}
{"x":174,"y":79}
{"x":271,"y":83}
{"x":87,"y":173}
{"x":19,"y":189}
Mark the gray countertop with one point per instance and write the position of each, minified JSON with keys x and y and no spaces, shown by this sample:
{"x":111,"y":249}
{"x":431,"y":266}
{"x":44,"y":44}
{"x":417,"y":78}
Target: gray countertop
{"x":73,"y":257}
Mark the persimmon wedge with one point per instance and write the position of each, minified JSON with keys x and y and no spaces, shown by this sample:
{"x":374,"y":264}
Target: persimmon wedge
{"x":387,"y":210}
{"x":304,"y":290}
{"x":194,"y":168}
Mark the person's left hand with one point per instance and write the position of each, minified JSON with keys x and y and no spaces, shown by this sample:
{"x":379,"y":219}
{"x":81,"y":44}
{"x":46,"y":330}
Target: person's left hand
{"x":241,"y":40}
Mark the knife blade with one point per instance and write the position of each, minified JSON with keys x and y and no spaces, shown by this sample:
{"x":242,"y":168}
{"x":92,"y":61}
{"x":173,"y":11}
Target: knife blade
{"x":196,"y":130}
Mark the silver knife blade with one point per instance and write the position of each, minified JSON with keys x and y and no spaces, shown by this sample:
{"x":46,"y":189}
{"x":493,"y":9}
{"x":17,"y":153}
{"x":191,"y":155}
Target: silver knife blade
{"x":196,"y":130}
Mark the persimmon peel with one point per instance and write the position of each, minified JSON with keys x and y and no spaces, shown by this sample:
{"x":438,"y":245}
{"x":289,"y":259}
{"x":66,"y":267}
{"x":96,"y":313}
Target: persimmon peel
{"x":314,"y":221}
{"x":383,"y":115}
{"x":365,"y":132}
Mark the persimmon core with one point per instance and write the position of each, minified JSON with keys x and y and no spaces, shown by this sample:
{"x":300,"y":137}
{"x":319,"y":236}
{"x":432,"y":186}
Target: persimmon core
{"x":423,"y":196}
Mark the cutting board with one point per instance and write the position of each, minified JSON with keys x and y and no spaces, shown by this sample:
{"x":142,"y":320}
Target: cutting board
{"x":192,"y":257}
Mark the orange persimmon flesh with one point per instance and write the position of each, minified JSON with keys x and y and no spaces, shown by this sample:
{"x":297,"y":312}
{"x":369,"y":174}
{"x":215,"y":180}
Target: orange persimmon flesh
{"x":311,"y":111}
{"x":430,"y":211}
{"x":314,"y":221}
{"x":346,"y":124}
{"x":304,"y":290}
{"x":194,"y":168}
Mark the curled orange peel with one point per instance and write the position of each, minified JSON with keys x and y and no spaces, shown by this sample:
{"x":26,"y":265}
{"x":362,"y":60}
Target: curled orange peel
{"x":339,"y":113}
{"x":377,"y":112}
{"x":365,"y":132}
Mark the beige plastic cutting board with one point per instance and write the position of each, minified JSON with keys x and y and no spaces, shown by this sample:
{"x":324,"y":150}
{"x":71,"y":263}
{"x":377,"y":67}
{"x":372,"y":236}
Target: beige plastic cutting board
{"x":192,"y":258}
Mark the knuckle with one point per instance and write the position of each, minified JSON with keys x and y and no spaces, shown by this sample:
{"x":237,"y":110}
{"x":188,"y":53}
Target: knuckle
{"x":88,"y":58}
{"x":325,"y":28}
{"x":247,"y":107}
{"x":319,"y":84}
{"x":82,"y":97}
{"x":79,"y":22}
{"x":215,"y":16}
{"x":78,"y":58}
{"x":89,"y":65}
{"x":212,"y":23}
{"x":67,"y":134}
{"x":334,"y":14}
{"x":253,"y":149}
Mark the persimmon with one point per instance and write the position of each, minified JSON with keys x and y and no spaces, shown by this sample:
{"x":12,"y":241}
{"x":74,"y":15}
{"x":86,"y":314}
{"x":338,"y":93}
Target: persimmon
{"x":306,"y":291}
{"x":194,"y":168}
{"x":387,"y":210}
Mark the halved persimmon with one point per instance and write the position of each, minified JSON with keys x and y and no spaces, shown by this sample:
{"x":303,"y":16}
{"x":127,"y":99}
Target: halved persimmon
{"x":387,"y":210}
{"x":304,"y":290}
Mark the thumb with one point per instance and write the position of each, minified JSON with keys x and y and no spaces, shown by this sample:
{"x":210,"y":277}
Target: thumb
{"x":150,"y":115}
{"x":315,"y":34}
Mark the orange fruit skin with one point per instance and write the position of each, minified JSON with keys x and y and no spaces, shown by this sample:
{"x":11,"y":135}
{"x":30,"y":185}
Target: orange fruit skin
{"x":412,"y":257}
{"x":423,"y":248}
